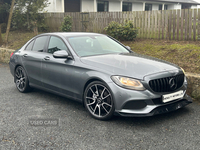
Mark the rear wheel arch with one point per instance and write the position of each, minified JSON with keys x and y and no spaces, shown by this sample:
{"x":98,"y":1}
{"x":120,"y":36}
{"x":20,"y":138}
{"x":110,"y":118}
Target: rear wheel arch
{"x":27,"y":87}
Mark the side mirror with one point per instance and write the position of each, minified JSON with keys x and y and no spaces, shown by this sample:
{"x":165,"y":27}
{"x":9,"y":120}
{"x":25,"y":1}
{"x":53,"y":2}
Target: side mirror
{"x":128,"y":47}
{"x":61,"y":54}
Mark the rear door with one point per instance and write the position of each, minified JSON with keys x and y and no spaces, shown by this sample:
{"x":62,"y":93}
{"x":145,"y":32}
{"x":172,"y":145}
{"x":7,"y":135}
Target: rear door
{"x":32,"y":59}
{"x":57,"y":72}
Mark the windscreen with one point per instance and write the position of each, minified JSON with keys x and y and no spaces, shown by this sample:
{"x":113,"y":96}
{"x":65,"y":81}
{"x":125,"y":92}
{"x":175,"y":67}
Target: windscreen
{"x":95,"y":45}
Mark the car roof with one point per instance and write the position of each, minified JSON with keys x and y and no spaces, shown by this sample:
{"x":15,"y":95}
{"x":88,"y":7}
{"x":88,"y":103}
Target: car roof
{"x":70,"y":34}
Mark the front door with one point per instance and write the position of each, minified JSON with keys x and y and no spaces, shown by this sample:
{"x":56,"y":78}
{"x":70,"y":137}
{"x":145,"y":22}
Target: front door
{"x":57,"y":72}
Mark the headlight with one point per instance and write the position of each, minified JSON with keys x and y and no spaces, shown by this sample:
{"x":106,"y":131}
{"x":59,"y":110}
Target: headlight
{"x":185,"y":79}
{"x":183,"y":70}
{"x":128,"y":83}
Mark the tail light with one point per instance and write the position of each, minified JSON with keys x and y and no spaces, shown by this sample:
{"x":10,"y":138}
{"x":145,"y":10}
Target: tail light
{"x":11,"y":54}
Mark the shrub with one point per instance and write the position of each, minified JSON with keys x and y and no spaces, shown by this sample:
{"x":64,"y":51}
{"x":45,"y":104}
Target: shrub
{"x":122,"y":32}
{"x":66,"y":25}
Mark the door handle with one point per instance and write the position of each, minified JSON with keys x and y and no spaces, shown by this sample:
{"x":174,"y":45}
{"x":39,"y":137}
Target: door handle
{"x":25,"y":55}
{"x":46,"y":58}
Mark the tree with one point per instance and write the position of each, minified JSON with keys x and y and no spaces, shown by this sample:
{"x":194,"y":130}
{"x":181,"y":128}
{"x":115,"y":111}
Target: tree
{"x":4,"y":10}
{"x":4,"y":13}
{"x":9,"y":21}
{"x":1,"y":40}
{"x":29,"y":12}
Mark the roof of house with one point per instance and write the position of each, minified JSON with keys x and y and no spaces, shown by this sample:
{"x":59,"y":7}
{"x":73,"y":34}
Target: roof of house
{"x":177,"y":1}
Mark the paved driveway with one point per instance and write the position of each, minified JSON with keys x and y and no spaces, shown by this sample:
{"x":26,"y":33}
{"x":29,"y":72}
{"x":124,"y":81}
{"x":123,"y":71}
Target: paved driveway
{"x":178,"y":130}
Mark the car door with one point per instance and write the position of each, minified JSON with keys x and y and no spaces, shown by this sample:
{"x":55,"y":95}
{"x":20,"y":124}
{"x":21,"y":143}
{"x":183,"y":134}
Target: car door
{"x":57,"y":72}
{"x":32,"y":59}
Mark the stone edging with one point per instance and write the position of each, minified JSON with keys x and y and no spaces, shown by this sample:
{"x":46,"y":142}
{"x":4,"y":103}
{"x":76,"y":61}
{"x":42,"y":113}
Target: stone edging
{"x":193,"y":85}
{"x":193,"y":79}
{"x":5,"y":54}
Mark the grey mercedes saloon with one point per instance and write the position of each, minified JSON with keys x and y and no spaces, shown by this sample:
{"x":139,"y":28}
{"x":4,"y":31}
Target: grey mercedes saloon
{"x":100,"y":72}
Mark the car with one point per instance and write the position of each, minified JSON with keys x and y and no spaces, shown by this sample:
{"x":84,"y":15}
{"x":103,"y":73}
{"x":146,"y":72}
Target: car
{"x":107,"y":77}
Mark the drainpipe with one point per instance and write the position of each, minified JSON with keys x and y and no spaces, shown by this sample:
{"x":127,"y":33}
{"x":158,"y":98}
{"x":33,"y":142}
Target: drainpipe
{"x":95,"y":5}
{"x":121,"y":6}
{"x":63,"y":6}
{"x":163,"y":6}
{"x":143,"y":6}
{"x":55,"y":6}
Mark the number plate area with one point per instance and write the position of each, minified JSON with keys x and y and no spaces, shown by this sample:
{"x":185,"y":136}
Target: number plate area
{"x":170,"y":97}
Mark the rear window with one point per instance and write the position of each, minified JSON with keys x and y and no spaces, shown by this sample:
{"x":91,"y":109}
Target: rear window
{"x":30,"y":45}
{"x":39,"y":44}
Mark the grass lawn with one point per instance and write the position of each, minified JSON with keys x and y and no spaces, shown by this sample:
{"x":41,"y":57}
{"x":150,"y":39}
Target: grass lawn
{"x":186,"y":54}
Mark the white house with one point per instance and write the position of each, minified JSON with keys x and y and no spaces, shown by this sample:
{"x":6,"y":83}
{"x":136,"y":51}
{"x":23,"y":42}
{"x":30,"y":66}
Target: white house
{"x":119,"y":5}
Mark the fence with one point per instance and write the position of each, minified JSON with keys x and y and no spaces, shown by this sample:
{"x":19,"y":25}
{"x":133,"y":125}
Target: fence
{"x":160,"y":24}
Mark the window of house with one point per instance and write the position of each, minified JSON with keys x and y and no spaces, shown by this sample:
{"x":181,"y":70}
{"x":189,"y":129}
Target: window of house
{"x":148,"y":7}
{"x":40,"y":43}
{"x":160,"y":7}
{"x":56,"y":44}
{"x":165,"y":7}
{"x":186,"y":6}
{"x":102,"y":6}
{"x":127,"y":6}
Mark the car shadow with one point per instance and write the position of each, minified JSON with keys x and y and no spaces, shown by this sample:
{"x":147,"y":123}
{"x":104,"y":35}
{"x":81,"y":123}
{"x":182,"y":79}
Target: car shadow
{"x":134,"y":121}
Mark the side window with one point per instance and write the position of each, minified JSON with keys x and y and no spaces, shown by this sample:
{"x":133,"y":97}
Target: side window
{"x":56,"y":44}
{"x":30,"y":46}
{"x":39,"y":43}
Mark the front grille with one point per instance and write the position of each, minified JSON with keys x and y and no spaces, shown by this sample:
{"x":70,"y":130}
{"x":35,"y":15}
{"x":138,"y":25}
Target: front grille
{"x":166,"y":84}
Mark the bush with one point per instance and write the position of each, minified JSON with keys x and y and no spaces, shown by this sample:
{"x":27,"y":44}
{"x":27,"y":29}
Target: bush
{"x":122,"y":32}
{"x":66,"y":24}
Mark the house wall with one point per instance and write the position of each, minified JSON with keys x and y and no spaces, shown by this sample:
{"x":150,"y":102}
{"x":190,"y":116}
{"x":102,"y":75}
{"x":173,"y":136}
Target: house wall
{"x":195,"y":6}
{"x":87,"y":6}
{"x":137,"y":6}
{"x":155,"y":6}
{"x":114,"y":6}
{"x":174,"y":6}
{"x":55,"y":6}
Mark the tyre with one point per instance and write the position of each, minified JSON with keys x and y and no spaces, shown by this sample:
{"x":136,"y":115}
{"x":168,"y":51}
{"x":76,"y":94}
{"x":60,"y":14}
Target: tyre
{"x":98,"y":100}
{"x":21,"y":80}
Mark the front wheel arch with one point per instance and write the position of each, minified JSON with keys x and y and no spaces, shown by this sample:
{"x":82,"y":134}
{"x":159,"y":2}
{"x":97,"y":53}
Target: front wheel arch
{"x":99,"y":100}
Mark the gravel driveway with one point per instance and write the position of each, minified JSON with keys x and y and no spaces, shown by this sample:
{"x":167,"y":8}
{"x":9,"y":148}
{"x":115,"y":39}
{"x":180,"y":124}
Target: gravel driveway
{"x":75,"y":129}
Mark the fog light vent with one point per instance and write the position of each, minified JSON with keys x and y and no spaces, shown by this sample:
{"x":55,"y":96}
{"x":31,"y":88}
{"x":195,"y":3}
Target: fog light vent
{"x":135,"y":104}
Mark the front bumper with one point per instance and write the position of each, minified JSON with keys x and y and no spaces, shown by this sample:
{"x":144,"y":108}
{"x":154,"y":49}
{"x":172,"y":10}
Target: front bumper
{"x":131,"y":103}
{"x":157,"y":109}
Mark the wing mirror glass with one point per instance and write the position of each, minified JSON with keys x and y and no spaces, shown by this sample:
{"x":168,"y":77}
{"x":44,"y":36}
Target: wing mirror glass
{"x":61,"y":54}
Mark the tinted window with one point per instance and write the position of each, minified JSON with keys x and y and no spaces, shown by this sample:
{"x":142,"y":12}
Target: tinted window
{"x":39,"y":43}
{"x":56,"y":44}
{"x":30,"y":45}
